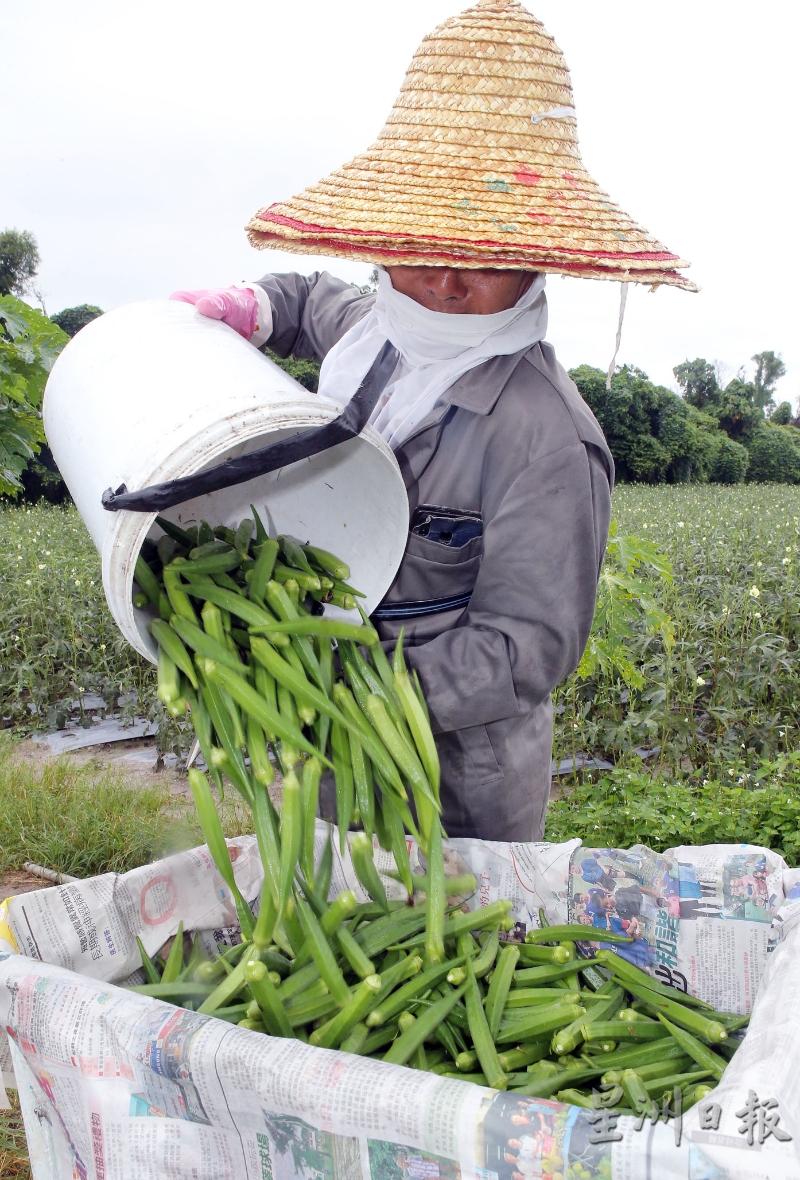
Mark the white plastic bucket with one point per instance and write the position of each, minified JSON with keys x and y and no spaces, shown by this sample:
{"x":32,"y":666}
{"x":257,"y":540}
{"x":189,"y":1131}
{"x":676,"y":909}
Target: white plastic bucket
{"x":153,"y":392}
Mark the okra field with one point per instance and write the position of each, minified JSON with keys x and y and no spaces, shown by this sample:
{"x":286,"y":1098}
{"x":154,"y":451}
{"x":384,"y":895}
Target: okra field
{"x":690,"y":687}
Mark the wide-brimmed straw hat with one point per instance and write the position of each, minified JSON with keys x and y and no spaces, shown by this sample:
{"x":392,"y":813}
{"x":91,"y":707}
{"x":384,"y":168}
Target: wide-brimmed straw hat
{"x":477,"y":166}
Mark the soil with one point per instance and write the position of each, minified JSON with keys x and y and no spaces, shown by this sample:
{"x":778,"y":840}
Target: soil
{"x":13,"y":883}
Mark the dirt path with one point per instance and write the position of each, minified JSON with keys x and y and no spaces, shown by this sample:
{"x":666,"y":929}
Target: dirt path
{"x":14,"y":883}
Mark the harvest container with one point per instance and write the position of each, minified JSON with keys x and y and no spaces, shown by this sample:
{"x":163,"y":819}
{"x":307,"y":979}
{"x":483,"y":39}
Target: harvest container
{"x":153,"y":392}
{"x":116,"y":1085}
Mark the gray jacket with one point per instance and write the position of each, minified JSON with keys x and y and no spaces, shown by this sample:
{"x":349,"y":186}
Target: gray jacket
{"x":509,"y":481}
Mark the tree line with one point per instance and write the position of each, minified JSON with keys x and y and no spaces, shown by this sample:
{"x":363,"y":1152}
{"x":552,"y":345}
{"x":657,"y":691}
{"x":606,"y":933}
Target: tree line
{"x":711,"y":432}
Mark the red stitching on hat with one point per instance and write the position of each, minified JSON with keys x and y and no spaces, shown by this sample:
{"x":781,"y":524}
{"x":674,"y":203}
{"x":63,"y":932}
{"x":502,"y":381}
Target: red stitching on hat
{"x":322,"y":231}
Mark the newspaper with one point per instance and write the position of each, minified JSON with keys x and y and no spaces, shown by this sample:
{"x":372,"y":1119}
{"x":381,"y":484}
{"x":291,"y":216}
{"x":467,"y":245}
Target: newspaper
{"x":117,"y":1086}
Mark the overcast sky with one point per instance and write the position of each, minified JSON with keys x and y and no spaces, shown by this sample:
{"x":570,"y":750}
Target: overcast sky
{"x":137,"y":139}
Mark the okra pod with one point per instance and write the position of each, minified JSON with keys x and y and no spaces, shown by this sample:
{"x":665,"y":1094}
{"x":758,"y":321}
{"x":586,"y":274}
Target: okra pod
{"x":363,"y":859}
{"x":479,"y":1030}
{"x":542,"y":1019}
{"x":694,"y":1048}
{"x":499,"y":987}
{"x":353,"y":1012}
{"x":246,"y":696}
{"x":408,"y":1042}
{"x":212,"y":831}
{"x":321,"y":952}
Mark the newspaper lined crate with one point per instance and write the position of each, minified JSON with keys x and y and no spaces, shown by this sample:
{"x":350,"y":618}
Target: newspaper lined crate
{"x":118,"y":1086}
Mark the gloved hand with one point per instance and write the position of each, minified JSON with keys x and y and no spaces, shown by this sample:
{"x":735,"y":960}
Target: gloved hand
{"x":235,"y":306}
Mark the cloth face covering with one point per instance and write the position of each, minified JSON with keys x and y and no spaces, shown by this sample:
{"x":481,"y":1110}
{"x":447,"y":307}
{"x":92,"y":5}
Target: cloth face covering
{"x":435,"y":350}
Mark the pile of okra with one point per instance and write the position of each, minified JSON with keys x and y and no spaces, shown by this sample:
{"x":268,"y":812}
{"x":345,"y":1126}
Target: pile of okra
{"x":246,"y":650}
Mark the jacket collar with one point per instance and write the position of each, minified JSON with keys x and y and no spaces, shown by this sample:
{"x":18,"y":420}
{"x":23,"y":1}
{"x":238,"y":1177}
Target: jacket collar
{"x":478,"y":389}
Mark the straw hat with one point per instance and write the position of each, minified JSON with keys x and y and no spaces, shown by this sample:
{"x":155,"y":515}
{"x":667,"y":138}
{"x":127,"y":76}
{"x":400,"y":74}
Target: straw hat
{"x":477,"y":166}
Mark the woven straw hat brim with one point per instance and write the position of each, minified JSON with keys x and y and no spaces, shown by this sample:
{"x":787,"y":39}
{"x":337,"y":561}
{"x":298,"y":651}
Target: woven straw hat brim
{"x":462,"y":175}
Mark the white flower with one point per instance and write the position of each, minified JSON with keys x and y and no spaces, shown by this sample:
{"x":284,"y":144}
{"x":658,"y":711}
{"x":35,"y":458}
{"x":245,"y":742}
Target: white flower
{"x":757,"y":615}
{"x":680,"y":524}
{"x":759,"y":565}
{"x":77,"y":581}
{"x":786,"y":561}
{"x":700,"y":681}
{"x":731,"y":772}
{"x":41,"y":566}
{"x":755,"y":592}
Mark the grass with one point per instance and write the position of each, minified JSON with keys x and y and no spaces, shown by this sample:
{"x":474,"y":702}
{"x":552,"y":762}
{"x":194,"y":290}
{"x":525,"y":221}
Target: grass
{"x":86,"y":819}
{"x":14,"y":1163}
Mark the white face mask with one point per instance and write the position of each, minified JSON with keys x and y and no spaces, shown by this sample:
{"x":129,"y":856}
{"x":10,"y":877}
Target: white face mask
{"x":423,"y":336}
{"x":436,"y":348}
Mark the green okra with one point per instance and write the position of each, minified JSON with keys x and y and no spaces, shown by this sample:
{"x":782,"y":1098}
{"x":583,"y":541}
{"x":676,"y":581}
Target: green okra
{"x":482,"y":1036}
{"x":568,"y":1038}
{"x":222,"y":562}
{"x":327,"y":562}
{"x":167,"y":638}
{"x":291,"y":838}
{"x":330,"y":921}
{"x":147,"y":581}
{"x":212,"y":831}
{"x":328,"y":1035}
{"x":388,"y":1009}
{"x":169,"y":678}
{"x":408,"y":1042}
{"x":541,"y":1019}
{"x":635,"y":1092}
{"x":416,"y":719}
{"x":359,"y":963}
{"x":206,"y":646}
{"x":363,"y":859}
{"x":518,"y":1058}
{"x":436,"y":901}
{"x":322,"y":953}
{"x":173,"y":964}
{"x":556,"y":956}
{"x":499,"y":987}
{"x":573,"y":932}
{"x":695,"y":1049}
{"x":248,"y":698}
{"x":173,"y":530}
{"x":266,"y":996}
{"x":151,"y":971}
{"x":343,"y":778}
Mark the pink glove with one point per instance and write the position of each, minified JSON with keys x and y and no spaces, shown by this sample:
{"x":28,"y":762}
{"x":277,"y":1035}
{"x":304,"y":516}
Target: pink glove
{"x":235,"y":306}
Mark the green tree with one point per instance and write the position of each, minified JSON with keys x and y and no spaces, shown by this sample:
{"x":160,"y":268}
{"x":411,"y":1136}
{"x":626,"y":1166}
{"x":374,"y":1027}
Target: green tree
{"x":769,"y":370}
{"x":782,"y":414}
{"x":774,"y":455}
{"x":698,"y":380}
{"x":19,"y":261}
{"x":72,"y":319}
{"x":737,"y":412}
{"x":29,"y":345}
{"x":730,"y":461}
{"x":304,"y":371}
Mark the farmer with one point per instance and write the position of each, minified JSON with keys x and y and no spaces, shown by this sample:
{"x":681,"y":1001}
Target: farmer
{"x":473,"y":191}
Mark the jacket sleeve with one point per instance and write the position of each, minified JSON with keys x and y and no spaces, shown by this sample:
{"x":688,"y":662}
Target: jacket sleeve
{"x":310,"y":313}
{"x":531,"y":610}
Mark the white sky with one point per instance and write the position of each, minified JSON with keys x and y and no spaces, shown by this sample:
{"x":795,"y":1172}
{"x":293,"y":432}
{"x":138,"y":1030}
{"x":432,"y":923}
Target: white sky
{"x":137,"y":139}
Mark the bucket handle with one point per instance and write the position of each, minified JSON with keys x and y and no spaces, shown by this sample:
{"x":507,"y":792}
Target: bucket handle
{"x":302,"y":445}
